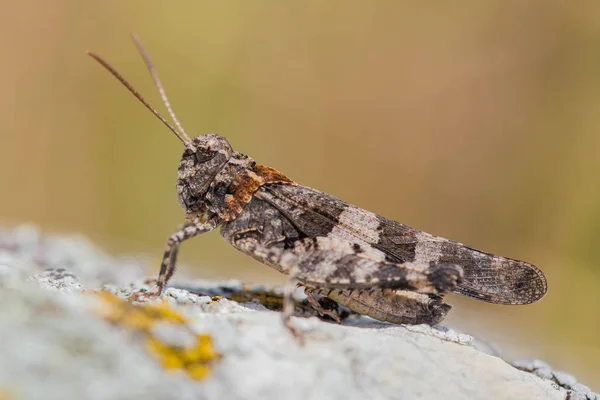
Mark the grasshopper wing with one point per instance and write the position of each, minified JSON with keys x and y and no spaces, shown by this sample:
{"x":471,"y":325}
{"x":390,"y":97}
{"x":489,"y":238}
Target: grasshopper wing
{"x":485,"y":277}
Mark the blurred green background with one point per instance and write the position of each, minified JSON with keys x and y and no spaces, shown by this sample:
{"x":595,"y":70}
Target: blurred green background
{"x":479,"y":122}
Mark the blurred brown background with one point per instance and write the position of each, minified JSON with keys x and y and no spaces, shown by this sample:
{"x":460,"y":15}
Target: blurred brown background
{"x":478,"y":122}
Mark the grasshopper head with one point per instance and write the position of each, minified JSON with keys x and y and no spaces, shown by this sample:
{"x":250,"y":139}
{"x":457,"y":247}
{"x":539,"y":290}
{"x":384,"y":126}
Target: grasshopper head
{"x":203,"y":158}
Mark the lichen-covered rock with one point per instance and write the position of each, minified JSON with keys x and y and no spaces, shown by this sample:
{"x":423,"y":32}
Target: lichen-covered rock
{"x":68,"y":332}
{"x":54,"y":345}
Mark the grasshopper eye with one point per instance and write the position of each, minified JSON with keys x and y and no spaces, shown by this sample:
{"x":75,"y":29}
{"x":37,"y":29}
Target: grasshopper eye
{"x":204,"y":154}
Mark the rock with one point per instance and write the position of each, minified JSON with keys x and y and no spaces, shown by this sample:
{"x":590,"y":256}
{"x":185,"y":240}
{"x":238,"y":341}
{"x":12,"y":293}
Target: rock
{"x":64,"y":338}
{"x":565,"y":380}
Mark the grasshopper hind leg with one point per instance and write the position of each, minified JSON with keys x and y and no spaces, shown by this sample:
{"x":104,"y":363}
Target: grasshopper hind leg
{"x":353,"y":274}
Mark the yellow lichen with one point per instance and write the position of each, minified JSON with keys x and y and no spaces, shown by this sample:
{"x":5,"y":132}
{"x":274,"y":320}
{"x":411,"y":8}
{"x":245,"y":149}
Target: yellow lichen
{"x":194,"y":358}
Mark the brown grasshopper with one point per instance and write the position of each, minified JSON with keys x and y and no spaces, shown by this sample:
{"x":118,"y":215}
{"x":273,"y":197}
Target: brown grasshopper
{"x":371,"y":264}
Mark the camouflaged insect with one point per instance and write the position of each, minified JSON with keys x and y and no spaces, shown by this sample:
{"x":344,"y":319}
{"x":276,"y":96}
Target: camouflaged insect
{"x":368,"y":263}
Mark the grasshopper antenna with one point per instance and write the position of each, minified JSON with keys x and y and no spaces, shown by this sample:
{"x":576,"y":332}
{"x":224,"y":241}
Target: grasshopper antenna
{"x":159,"y":86}
{"x":184,"y":139}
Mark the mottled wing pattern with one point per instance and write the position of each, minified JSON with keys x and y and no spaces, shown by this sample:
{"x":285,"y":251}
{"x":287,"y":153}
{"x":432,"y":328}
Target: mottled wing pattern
{"x":486,"y":276}
{"x":262,"y":231}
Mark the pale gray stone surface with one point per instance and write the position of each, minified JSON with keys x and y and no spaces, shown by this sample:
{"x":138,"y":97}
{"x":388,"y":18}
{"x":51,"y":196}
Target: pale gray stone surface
{"x":53,"y":347}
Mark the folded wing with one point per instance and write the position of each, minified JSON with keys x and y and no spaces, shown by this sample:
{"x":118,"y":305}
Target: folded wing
{"x":486,"y":276}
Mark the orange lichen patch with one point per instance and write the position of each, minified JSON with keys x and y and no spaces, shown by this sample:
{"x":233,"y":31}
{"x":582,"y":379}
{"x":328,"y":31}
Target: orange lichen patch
{"x":165,"y":332}
{"x":246,"y":184}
